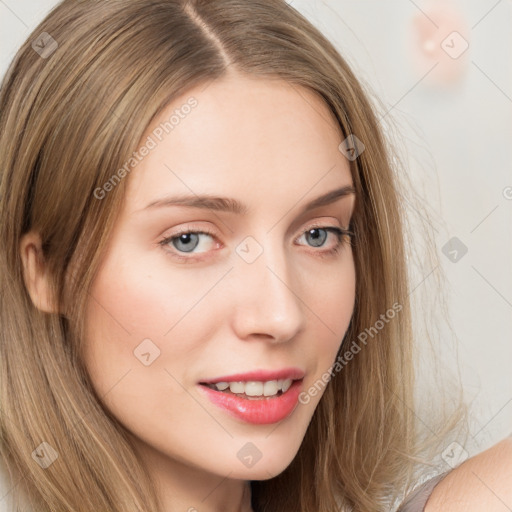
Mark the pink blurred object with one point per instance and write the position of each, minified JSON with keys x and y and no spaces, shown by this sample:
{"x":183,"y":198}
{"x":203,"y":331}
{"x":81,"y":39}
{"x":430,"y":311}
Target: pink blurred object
{"x":440,"y":35}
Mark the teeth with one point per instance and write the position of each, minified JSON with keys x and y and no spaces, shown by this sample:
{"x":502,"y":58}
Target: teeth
{"x":237,"y":387}
{"x":255,"y":388}
{"x":286,"y":384}
{"x":270,"y":388}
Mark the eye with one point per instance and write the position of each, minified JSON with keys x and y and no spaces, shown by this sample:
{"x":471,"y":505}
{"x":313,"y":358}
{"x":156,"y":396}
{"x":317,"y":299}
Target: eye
{"x":187,"y":241}
{"x":317,"y":235}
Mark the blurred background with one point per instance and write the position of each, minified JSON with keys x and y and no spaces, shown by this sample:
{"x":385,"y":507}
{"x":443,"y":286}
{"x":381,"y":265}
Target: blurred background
{"x":441,"y":75}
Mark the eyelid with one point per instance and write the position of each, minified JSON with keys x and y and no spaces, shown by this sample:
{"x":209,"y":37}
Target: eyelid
{"x":324,"y":225}
{"x":315,"y":224}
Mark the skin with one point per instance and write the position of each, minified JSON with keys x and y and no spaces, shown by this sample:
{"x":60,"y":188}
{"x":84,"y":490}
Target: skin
{"x":273,"y":147}
{"x":483,"y":482}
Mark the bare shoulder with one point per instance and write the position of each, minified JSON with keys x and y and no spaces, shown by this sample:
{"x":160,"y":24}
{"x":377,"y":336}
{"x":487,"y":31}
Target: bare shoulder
{"x":483,"y":482}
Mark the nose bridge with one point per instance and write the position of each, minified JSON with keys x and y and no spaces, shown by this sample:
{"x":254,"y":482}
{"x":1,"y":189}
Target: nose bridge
{"x":267,"y":302}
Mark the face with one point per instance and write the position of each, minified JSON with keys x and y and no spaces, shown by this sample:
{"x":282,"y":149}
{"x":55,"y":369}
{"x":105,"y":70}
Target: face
{"x":188,"y":294}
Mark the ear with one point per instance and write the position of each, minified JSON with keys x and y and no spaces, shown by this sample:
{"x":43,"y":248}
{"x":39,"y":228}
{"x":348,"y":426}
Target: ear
{"x":34,"y":272}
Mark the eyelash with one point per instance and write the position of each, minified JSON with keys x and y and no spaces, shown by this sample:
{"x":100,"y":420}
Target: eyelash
{"x":339,"y":232}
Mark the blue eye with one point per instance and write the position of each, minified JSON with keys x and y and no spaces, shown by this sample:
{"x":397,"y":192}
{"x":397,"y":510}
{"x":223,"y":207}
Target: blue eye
{"x":318,"y":234}
{"x":187,"y":241}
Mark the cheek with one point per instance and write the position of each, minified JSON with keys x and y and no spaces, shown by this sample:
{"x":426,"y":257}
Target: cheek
{"x":332,"y":305}
{"x":332,"y":299}
{"x":142,"y":343}
{"x":144,"y":297}
{"x":128,"y":314}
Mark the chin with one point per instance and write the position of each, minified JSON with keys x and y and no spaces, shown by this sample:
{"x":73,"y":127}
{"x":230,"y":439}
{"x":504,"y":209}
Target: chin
{"x":262,"y":459}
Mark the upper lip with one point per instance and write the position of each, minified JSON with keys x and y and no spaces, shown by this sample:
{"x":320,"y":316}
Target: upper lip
{"x":259,"y":375}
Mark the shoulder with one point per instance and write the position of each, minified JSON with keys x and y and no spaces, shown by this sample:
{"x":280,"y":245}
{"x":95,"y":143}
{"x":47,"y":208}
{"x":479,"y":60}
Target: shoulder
{"x":483,"y":482}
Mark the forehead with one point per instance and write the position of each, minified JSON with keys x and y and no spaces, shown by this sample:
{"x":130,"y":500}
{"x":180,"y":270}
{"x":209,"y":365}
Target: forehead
{"x":241,"y":136}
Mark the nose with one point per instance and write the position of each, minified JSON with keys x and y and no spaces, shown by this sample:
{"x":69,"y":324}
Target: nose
{"x":267,"y":301}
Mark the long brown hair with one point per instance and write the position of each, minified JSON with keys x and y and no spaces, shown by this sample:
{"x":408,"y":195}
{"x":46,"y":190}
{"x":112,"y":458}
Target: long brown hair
{"x":73,"y":115}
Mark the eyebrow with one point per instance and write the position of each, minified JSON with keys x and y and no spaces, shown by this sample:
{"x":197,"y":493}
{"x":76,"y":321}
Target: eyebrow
{"x":230,"y":205}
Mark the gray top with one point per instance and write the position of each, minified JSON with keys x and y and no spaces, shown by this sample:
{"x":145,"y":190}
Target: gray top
{"x":416,"y":501}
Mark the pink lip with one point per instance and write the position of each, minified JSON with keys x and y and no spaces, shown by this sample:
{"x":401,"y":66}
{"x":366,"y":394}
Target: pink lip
{"x":259,"y":375}
{"x":261,"y":411}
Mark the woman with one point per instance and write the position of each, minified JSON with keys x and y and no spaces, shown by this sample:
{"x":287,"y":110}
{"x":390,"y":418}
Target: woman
{"x":205,"y":303}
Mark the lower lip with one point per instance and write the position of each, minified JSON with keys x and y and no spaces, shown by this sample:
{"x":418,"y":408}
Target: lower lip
{"x":261,"y":411}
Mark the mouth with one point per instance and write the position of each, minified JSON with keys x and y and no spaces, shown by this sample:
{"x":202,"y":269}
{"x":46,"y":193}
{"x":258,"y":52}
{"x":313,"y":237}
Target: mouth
{"x":256,"y":402}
